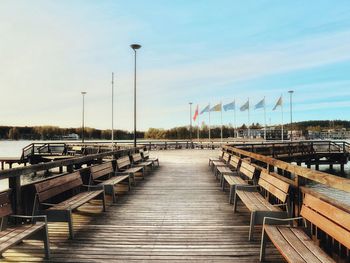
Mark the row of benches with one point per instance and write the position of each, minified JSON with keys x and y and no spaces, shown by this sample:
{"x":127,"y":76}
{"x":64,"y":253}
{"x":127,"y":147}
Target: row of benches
{"x":56,"y":198}
{"x":256,"y":188}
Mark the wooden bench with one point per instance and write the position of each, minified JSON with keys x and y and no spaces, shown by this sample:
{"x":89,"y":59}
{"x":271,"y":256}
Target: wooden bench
{"x":124,"y":167}
{"x":293,"y":242}
{"x":11,"y":235}
{"x":223,"y":162}
{"x":103,"y":174}
{"x":138,"y":161}
{"x":62,"y":211}
{"x":146,"y":157}
{"x":212,"y":159}
{"x":258,"y":206}
{"x":245,"y":174}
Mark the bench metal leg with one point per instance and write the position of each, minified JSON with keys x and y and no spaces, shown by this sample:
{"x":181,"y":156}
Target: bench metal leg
{"x":223,"y":184}
{"x":251,"y":227}
{"x":70,"y":224}
{"x":104,"y":199}
{"x":263,"y":245}
{"x":46,"y":241}
{"x":231,"y":194}
{"x":235,"y":200}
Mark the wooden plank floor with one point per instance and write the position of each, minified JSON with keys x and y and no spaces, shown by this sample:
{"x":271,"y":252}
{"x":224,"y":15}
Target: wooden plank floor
{"x":178,"y":213}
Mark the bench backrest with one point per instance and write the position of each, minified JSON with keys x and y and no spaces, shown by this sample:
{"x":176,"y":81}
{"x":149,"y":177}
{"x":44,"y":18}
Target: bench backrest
{"x":332,"y":220}
{"x":145,"y":154}
{"x":123,"y":162}
{"x":58,"y":185}
{"x":5,"y":204}
{"x":136,"y":157}
{"x":226,"y":157}
{"x":274,"y":185}
{"x":247,"y":169}
{"x":234,"y":161}
{"x":100,"y":170}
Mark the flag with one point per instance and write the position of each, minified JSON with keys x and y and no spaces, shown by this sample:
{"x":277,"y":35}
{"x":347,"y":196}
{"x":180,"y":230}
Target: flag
{"x":261,"y":104}
{"x":217,"y":107}
{"x":245,"y":106}
{"x":279,"y":103}
{"x":206,"y":109}
{"x":230,"y":106}
{"x":195,"y":114}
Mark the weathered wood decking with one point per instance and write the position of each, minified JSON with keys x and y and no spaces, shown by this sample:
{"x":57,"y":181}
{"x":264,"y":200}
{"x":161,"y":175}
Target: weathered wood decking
{"x":178,"y":213}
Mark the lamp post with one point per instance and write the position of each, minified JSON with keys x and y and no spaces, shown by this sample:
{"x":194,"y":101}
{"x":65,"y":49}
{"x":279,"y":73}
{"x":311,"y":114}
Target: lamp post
{"x":190,"y":103}
{"x":135,"y":47}
{"x":112,"y":133}
{"x":82,"y":133}
{"x":291,"y":114}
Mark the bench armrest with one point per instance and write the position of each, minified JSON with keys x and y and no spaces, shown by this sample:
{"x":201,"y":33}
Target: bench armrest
{"x":281,"y":221}
{"x":248,"y":188}
{"x":42,"y":217}
{"x":48,"y":204}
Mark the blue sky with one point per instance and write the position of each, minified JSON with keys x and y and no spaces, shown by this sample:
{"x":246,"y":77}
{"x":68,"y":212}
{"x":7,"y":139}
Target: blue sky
{"x":198,"y":51}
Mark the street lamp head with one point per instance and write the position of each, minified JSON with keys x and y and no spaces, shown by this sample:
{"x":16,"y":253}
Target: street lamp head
{"x":190,"y":103}
{"x":135,"y":46}
{"x":290,"y":91}
{"x":83,"y":92}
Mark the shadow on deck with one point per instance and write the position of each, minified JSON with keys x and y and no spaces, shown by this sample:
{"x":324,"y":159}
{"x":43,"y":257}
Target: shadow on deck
{"x":178,"y":213}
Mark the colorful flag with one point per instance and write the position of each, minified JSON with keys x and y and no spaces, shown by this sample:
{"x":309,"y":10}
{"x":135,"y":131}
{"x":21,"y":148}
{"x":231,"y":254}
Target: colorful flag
{"x":245,"y":106}
{"x":195,"y":114}
{"x":261,"y":104}
{"x":206,"y":109}
{"x":217,"y":107}
{"x":230,"y":106}
{"x":279,"y":103}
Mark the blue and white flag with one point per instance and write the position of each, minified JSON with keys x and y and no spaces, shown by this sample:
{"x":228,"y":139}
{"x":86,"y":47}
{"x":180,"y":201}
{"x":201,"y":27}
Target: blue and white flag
{"x":279,"y":103}
{"x":230,"y":106}
{"x":206,"y":109}
{"x":260,"y":104}
{"x":245,"y":106}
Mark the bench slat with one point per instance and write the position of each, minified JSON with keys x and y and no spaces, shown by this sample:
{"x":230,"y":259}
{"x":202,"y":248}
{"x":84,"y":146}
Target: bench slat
{"x":100,"y":170}
{"x":298,"y":245}
{"x":337,"y":232}
{"x":5,"y":204}
{"x":282,"y":245}
{"x":273,"y":190}
{"x":11,"y":236}
{"x":247,"y":169}
{"x":47,"y":184}
{"x":337,"y":215}
{"x":77,"y":200}
{"x":234,"y":180}
{"x":283,"y":186}
{"x":59,"y":189}
{"x":234,"y":161}
{"x":115,"y":180}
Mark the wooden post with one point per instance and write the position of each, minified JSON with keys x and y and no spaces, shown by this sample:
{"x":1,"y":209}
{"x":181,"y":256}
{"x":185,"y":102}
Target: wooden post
{"x":15,"y":186}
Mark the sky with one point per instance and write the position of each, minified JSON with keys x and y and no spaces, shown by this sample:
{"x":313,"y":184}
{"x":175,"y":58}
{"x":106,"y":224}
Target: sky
{"x":192,"y":51}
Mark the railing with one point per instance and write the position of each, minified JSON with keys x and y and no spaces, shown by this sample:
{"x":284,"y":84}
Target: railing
{"x":43,"y":148}
{"x":15,"y":175}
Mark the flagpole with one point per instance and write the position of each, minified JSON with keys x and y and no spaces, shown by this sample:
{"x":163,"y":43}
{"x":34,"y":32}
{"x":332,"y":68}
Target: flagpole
{"x":234,"y":120}
{"x":282,"y":118}
{"x":198,"y":125}
{"x":221,"y":119}
{"x":248,"y":119}
{"x":209,"y":123}
{"x":265,"y":118}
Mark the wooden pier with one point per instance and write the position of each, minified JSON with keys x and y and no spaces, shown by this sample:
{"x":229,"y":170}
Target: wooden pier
{"x":178,"y":213}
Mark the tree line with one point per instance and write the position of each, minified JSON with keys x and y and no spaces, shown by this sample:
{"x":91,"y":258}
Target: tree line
{"x":55,"y":132}
{"x":181,"y":132}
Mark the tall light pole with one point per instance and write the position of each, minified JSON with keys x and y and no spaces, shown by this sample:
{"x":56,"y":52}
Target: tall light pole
{"x":190,"y":103}
{"x":82,"y":133}
{"x":135,"y":47}
{"x":112,"y":133}
{"x":291,"y":113}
